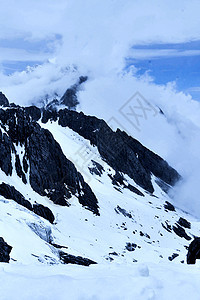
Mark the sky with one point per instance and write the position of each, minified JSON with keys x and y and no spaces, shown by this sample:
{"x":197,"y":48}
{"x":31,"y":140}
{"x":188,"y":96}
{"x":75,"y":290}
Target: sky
{"x":178,"y":63}
{"x":160,"y":39}
{"x":150,"y":47}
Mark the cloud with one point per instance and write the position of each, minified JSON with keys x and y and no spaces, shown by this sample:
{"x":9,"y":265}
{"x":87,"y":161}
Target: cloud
{"x":95,"y":38}
{"x":98,"y":34}
{"x":174,"y":135}
{"x":12,"y":54}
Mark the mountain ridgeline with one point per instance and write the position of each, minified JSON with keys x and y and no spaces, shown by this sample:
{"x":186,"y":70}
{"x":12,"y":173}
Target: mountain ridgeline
{"x":52,"y":174}
{"x":41,"y":180}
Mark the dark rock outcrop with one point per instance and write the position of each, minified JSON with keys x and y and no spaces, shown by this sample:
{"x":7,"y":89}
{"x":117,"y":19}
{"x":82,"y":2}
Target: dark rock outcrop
{"x":69,"y":98}
{"x":111,"y":145}
{"x":5,"y":250}
{"x":119,"y":181}
{"x":78,"y":260}
{"x":174,"y":255}
{"x":122,"y":152}
{"x":180,"y":231}
{"x":151,"y":162}
{"x":51,"y":174}
{"x":49,"y":114}
{"x":134,"y":190}
{"x":44,"y":212}
{"x":6,"y":149}
{"x":183,"y":222}
{"x":97,"y":169}
{"x":131,"y":246}
{"x":9,"y":192}
{"x":3,"y":100}
{"x":169,"y":206}
{"x":118,"y":209}
{"x":193,"y":251}
{"x":34,"y":112}
{"x":167,"y":226}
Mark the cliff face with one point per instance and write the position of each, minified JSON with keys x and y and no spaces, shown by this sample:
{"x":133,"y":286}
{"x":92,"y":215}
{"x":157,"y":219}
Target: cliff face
{"x":41,"y":162}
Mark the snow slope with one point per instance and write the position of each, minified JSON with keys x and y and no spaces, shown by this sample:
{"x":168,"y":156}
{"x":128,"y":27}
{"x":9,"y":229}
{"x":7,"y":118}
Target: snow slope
{"x":147,"y":281}
{"x":133,"y":240}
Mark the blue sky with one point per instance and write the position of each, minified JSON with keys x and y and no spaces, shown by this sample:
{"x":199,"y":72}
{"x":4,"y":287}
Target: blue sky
{"x":170,"y":62}
{"x":19,"y":53}
{"x":179,"y":62}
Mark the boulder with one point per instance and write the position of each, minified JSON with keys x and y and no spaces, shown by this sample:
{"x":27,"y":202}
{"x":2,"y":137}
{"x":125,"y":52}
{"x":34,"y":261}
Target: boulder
{"x":78,"y":260}
{"x":193,"y":251}
{"x":5,"y":250}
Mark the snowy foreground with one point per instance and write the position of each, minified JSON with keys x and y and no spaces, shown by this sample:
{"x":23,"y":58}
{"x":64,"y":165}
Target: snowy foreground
{"x":107,"y":281}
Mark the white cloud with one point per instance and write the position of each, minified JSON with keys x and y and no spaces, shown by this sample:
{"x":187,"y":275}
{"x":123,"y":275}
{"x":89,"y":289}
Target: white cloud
{"x":12,"y":54}
{"x":96,"y":37}
{"x":98,"y":34}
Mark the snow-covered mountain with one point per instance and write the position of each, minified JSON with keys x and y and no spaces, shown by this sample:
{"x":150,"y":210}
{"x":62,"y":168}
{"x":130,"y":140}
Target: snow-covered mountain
{"x":73,"y":191}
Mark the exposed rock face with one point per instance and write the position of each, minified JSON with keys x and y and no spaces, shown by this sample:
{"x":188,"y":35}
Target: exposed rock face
{"x":122,"y":152}
{"x":180,"y":231}
{"x":49,"y":114}
{"x":97,"y":169}
{"x":34,"y":112}
{"x":193,"y":251}
{"x":169,"y":206}
{"x":9,"y":192}
{"x":69,"y":98}
{"x":6,"y":148}
{"x":44,"y":212}
{"x":51,"y":174}
{"x":3,"y":100}
{"x":183,"y":222}
{"x":119,"y":180}
{"x":119,"y":150}
{"x":5,"y":250}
